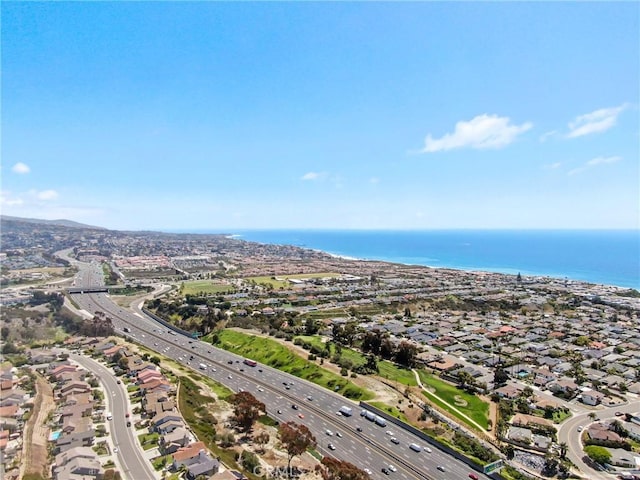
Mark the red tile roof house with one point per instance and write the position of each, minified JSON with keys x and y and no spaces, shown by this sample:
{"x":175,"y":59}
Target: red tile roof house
{"x":6,"y":384}
{"x":10,"y":411}
{"x":443,"y":365}
{"x":522,"y":420}
{"x":66,"y":377}
{"x":73,"y":388}
{"x":4,"y":439}
{"x":601,"y":432}
{"x":155,"y":385}
{"x":198,"y":461}
{"x":111,"y":352}
{"x":188,"y":452}
{"x":79,"y":399}
{"x":150,"y":400}
{"x":136,"y":365}
{"x":147,"y":374}
{"x":509,"y":391}
{"x":55,"y":373}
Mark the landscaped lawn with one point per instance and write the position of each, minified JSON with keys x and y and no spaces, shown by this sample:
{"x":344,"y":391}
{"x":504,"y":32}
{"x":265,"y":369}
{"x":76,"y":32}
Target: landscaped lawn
{"x":270,"y":352}
{"x":282,"y":282}
{"x":452,"y":396}
{"x":347,"y":353}
{"x":149,"y":440}
{"x":390,"y":371}
{"x":160,"y":462}
{"x":205,"y":287}
{"x":386,"y":369}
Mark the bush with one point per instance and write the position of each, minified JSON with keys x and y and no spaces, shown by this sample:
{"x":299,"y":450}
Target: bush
{"x":598,"y":454}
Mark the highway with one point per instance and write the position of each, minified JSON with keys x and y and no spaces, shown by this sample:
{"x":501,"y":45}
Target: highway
{"x":132,"y":463}
{"x":362,"y":442}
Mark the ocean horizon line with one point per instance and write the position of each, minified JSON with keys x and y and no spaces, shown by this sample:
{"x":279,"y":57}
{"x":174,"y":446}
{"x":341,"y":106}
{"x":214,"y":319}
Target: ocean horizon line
{"x":229,"y":231}
{"x":597,"y":256}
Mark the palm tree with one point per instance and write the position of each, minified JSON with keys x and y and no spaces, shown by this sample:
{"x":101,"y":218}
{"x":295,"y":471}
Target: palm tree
{"x":563,"y":450}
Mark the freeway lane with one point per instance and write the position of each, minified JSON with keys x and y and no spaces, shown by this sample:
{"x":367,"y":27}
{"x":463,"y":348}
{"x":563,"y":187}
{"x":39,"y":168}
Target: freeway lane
{"x":371,"y":448}
{"x":133,"y":464}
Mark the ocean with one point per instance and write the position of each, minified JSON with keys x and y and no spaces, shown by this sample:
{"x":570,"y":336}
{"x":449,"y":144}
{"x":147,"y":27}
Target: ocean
{"x":608,"y":257}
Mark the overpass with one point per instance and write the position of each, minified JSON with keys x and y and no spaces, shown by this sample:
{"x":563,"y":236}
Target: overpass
{"x":87,"y":290}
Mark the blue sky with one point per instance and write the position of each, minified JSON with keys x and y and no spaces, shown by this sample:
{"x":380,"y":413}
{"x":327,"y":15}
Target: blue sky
{"x":222,"y":116}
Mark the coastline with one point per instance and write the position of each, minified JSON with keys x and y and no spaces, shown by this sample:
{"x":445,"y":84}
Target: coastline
{"x":588,"y":265}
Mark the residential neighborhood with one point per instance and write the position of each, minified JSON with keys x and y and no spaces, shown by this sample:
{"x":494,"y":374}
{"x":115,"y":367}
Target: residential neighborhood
{"x":537,"y":353}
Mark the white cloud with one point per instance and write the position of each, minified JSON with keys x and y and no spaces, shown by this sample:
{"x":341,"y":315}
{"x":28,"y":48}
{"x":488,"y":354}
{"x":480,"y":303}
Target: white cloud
{"x":483,"y":131}
{"x":20,"y":168}
{"x":313,"y":176}
{"x":593,"y":163}
{"x":601,"y":160}
{"x":7,"y":200}
{"x":553,"y":166}
{"x":47,"y":195}
{"x":595,"y":122}
{"x":545,"y":136}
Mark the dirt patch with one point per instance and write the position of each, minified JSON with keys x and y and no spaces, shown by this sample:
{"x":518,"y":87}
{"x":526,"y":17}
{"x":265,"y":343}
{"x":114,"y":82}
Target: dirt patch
{"x":493,"y":416}
{"x":37,"y":431}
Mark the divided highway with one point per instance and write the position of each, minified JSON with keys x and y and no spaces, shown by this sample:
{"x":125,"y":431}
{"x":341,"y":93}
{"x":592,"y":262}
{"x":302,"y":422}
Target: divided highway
{"x":286,"y":397}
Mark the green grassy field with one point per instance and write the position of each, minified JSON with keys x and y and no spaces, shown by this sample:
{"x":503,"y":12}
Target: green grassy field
{"x":389,"y":371}
{"x":348,"y":354}
{"x":281,"y":282}
{"x":386,"y":369}
{"x":270,"y":352}
{"x":469,"y":404}
{"x":205,"y":287}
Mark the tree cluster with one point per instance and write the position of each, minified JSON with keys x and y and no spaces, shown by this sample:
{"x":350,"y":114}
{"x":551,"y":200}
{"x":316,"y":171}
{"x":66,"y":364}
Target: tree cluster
{"x":295,"y":440}
{"x":333,"y":469}
{"x":246,"y":409}
{"x":378,"y":343}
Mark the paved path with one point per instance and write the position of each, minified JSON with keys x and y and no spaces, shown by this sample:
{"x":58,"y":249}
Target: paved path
{"x":431,"y":394}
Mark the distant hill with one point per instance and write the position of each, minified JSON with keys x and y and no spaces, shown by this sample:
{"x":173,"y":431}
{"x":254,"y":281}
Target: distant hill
{"x":60,"y":223}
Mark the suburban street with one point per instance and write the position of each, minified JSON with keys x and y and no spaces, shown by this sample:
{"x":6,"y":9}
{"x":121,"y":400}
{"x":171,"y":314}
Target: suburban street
{"x":129,"y":456}
{"x":569,"y":434}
